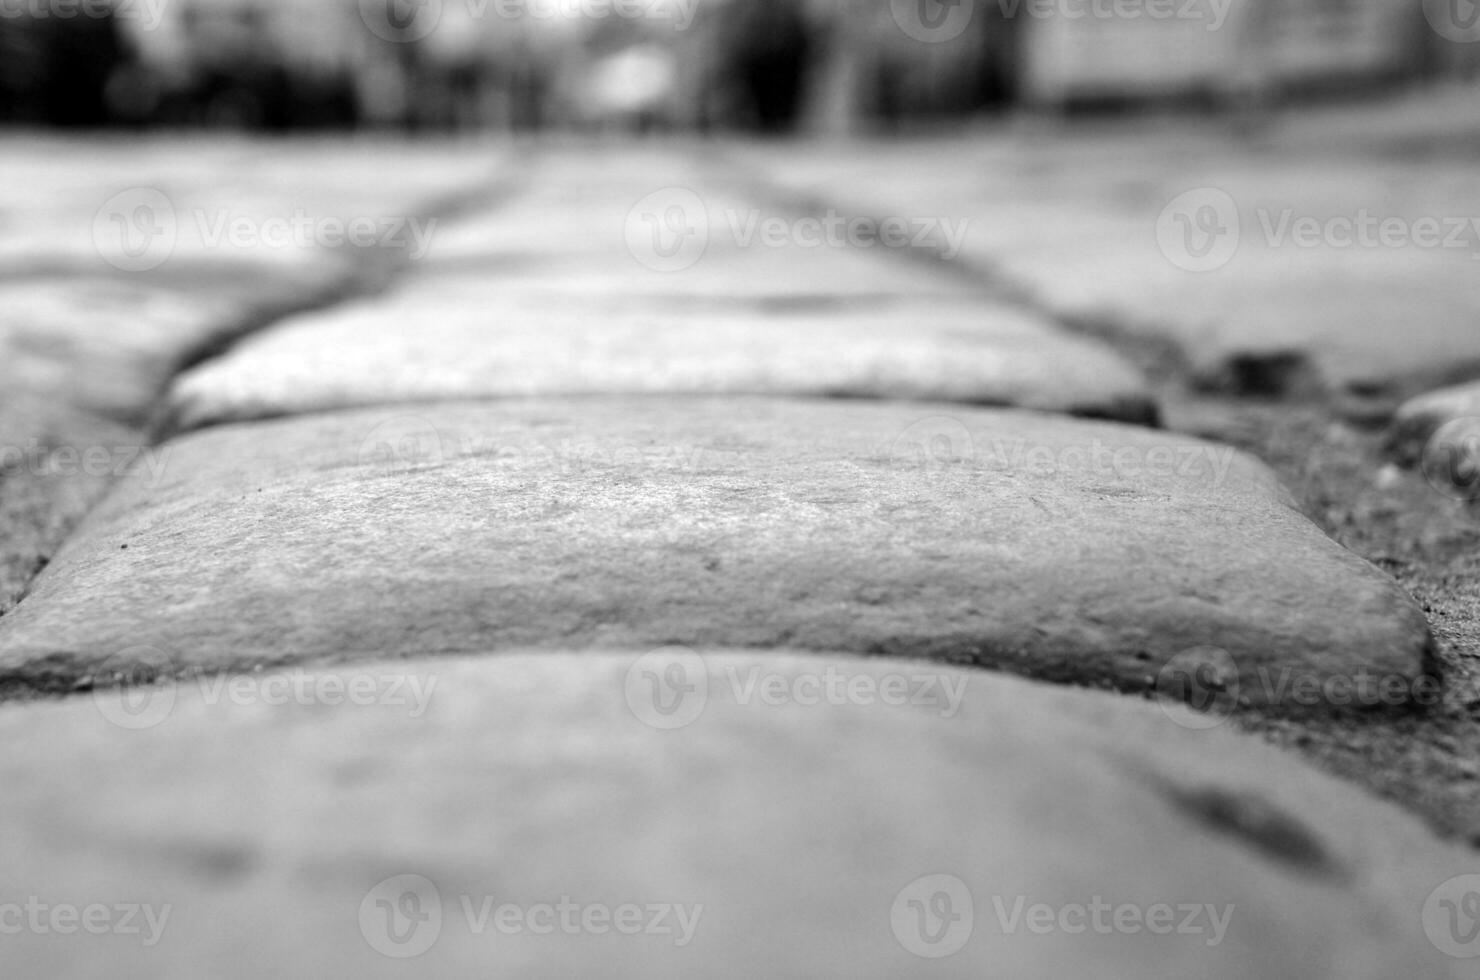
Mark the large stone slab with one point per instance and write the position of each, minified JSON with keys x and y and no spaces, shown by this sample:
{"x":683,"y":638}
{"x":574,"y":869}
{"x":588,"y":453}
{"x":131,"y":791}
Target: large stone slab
{"x":1244,"y":259}
{"x":422,"y":348}
{"x":1079,"y":551}
{"x":802,"y":816}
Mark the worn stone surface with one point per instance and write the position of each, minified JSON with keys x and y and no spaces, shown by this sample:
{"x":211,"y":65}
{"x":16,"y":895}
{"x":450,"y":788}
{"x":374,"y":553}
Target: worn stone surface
{"x":272,"y":832}
{"x":1420,"y":418}
{"x":1073,"y":550}
{"x":48,"y":480}
{"x":266,"y":227}
{"x":419,"y":350}
{"x":1276,"y":264}
{"x":722,"y":274}
{"x":104,"y":345}
{"x":112,"y":278}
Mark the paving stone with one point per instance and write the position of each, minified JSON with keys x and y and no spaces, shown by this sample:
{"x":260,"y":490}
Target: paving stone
{"x":722,"y":273}
{"x":661,"y":229}
{"x":1420,"y":418}
{"x":47,"y":482}
{"x":82,"y":363}
{"x":557,"y":211}
{"x":990,"y":827}
{"x":419,"y":349}
{"x":237,"y":220}
{"x":1076,"y":221}
{"x":105,"y":345}
{"x":1072,"y":550}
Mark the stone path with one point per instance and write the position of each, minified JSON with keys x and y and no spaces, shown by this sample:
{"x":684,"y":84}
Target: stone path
{"x":453,"y":816}
{"x":1274,"y":270}
{"x":417,"y":583}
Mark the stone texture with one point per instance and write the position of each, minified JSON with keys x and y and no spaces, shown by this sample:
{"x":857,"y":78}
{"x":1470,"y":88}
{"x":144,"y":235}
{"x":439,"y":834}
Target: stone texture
{"x":419,"y":350}
{"x":47,"y":482}
{"x":103,"y":345}
{"x":60,"y":224}
{"x":793,"y":835}
{"x":1073,"y":220}
{"x":83,"y":363}
{"x":1419,"y":418}
{"x":1071,"y":550}
{"x":89,"y":339}
{"x":722,"y":274}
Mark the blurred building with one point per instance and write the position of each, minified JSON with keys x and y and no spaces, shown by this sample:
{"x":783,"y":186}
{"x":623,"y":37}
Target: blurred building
{"x":769,"y":65}
{"x":1260,"y":49}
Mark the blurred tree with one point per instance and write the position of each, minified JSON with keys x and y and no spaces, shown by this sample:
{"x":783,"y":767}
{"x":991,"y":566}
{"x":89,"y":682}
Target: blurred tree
{"x":56,"y":72}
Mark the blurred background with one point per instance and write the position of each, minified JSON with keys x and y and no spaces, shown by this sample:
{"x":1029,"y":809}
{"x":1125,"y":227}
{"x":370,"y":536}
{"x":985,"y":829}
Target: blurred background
{"x":780,"y":66}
